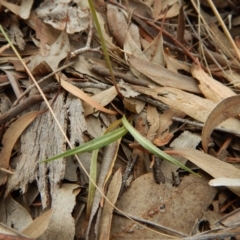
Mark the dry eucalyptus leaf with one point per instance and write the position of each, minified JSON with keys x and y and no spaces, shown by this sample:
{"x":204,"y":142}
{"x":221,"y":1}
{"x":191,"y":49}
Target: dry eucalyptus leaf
{"x":211,"y":88}
{"x":229,"y":107}
{"x":162,"y":205}
{"x":133,"y":105}
{"x":58,"y":51}
{"x":154,"y":52}
{"x":25,"y":8}
{"x":103,"y":98}
{"x":62,"y":16}
{"x":117,"y":24}
{"x":211,"y":165}
{"x":107,"y":214}
{"x":163,"y":76}
{"x":192,"y":105}
{"x":38,"y":226}
{"x":14,"y":212}
{"x":61,"y":223}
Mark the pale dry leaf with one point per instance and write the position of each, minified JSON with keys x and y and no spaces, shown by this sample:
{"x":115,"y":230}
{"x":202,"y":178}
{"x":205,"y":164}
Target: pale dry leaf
{"x":126,"y":90}
{"x":58,"y":51}
{"x":61,"y":223}
{"x":172,"y":12}
{"x":4,"y":229}
{"x":211,"y":88}
{"x":192,"y":105}
{"x":174,"y":65}
{"x":130,"y":46}
{"x":107,"y":213}
{"x":109,"y":157}
{"x":153,"y":120}
{"x":133,"y":105}
{"x":62,"y":16}
{"x":108,"y":39}
{"x":232,"y":77}
{"x":157,"y":7}
{"x":164,"y":135}
{"x":134,"y":32}
{"x":38,"y":226}
{"x":163,"y":76}
{"x":10,"y":137}
{"x":154,"y":52}
{"x":163,"y":209}
{"x":138,"y":7}
{"x":117,"y":24}
{"x":229,"y":107}
{"x":211,"y":165}
{"x":25,"y":8}
{"x":227,"y":182}
{"x":45,"y":34}
{"x":103,"y":98}
{"x":12,"y":7}
{"x":15,"y":212}
{"x":80,"y":94}
{"x":166,"y":3}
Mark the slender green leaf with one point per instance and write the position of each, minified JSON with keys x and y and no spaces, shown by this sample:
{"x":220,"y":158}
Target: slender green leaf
{"x":91,"y":186}
{"x":150,"y":147}
{"x":94,"y":144}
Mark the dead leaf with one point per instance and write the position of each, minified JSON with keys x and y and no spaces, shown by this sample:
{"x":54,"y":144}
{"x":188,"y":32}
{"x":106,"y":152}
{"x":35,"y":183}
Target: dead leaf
{"x":133,"y":105}
{"x":80,"y":94}
{"x":14,"y":211}
{"x":38,"y":226}
{"x":110,"y":154}
{"x":210,"y":165}
{"x":103,"y":98}
{"x":163,"y":76}
{"x":58,"y":51}
{"x":229,"y":107}
{"x":153,"y":120}
{"x":25,"y":8}
{"x":12,"y":7}
{"x":194,"y":106}
{"x":154,"y":52}
{"x":61,"y":223}
{"x":9,"y":139}
{"x":164,"y":135}
{"x":211,"y":88}
{"x":117,"y":24}
{"x":174,"y":65}
{"x":62,"y":16}
{"x":107,"y":213}
{"x":167,"y":204}
{"x":172,"y":12}
{"x":46,"y":35}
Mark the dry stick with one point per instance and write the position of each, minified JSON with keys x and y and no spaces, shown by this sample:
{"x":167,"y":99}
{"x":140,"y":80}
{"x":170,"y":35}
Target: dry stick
{"x":201,"y":125}
{"x":105,"y":72}
{"x":13,"y":112}
{"x":40,"y":81}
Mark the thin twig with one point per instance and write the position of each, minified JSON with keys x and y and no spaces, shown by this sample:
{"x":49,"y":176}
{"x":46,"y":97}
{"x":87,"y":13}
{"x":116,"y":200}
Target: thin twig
{"x":13,"y":112}
{"x":40,"y":81}
{"x":201,"y":125}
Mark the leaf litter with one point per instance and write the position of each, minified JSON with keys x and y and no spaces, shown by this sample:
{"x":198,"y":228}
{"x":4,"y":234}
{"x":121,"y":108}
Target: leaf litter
{"x":177,"y":72}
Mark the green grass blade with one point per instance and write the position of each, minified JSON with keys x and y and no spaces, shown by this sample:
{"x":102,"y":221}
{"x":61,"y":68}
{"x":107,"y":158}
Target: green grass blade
{"x":92,"y":145}
{"x":91,"y":186}
{"x":150,"y":147}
